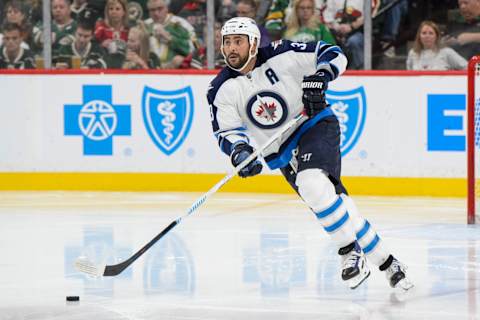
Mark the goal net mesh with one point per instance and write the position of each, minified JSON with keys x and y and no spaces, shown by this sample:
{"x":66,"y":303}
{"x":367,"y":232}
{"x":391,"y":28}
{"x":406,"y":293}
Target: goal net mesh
{"x":474,"y":142}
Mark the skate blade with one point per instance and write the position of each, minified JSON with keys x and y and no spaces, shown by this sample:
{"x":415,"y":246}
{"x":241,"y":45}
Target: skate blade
{"x":357,"y":281}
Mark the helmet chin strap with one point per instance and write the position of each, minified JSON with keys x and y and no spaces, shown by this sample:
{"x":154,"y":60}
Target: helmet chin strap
{"x":250,"y":57}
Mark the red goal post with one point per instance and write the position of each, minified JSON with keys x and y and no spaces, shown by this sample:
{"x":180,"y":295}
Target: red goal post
{"x":473,"y":139}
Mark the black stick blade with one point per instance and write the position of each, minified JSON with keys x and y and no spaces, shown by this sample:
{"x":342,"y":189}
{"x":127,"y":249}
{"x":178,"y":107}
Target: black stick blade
{"x":116,"y":269}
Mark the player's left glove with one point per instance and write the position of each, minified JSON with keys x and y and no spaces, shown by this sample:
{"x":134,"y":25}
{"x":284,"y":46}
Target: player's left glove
{"x":241,"y":152}
{"x":314,"y":88}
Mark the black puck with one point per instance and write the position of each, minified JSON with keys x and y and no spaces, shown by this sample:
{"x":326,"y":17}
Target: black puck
{"x":73,"y":298}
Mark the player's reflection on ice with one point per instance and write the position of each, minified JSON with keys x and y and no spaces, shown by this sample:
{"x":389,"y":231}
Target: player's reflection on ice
{"x":328,"y":275}
{"x":168,"y":266}
{"x":99,"y":246}
{"x":274,"y":264}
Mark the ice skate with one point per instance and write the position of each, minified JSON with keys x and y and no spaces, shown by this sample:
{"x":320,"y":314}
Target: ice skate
{"x":395,"y":273}
{"x":354,"y":265}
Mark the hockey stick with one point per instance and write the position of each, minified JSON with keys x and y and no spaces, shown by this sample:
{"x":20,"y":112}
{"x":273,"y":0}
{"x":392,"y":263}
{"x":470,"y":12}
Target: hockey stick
{"x":84,"y":265}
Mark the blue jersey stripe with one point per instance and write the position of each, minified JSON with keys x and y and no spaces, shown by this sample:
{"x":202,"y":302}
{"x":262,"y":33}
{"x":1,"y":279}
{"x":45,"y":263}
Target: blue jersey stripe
{"x":281,"y":158}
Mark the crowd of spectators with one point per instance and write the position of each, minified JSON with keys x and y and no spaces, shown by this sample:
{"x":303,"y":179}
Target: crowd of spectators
{"x":166,"y":34}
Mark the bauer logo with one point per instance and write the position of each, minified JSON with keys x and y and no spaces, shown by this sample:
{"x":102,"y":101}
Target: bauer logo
{"x":350,"y":107}
{"x":167,"y":116}
{"x":97,"y":120}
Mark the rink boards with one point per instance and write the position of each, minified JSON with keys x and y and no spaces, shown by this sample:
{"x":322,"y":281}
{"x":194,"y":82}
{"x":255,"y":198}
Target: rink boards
{"x":402,"y":133}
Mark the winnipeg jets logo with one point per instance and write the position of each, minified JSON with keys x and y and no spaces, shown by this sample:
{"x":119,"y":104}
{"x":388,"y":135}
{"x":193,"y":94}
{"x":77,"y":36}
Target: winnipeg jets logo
{"x":267,"y":110}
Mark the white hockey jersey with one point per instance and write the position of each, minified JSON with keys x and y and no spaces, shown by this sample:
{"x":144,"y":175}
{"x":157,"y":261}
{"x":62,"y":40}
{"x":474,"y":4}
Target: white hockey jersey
{"x":257,"y":104}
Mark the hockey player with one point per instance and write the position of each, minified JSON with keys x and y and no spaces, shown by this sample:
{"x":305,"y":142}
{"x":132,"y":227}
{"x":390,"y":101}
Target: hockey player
{"x":259,"y":91}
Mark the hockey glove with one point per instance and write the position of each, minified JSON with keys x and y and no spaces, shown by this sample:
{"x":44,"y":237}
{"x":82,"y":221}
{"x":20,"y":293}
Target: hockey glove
{"x":314,"y":88}
{"x":241,"y":152}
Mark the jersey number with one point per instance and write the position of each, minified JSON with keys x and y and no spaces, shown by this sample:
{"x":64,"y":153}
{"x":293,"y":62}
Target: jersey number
{"x":299,"y":45}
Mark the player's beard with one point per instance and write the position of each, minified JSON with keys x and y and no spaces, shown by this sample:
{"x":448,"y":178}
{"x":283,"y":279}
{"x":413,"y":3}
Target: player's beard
{"x":241,"y":61}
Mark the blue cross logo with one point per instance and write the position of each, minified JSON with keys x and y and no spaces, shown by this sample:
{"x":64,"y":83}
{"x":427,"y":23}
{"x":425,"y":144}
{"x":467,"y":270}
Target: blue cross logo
{"x":97,"y":120}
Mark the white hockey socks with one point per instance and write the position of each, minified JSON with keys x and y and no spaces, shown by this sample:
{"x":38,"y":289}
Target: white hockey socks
{"x":367,"y":237}
{"x":319,"y":193}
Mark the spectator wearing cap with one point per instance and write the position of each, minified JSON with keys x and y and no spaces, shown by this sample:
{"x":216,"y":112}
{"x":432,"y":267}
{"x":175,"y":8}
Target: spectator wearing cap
{"x":12,"y":55}
{"x":248,"y":8}
{"x":170,"y":39}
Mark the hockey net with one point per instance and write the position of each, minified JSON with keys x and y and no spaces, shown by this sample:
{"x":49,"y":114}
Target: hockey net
{"x":473,"y":140}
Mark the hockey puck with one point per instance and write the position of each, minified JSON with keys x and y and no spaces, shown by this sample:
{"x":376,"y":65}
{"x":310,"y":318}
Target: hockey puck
{"x":73,"y":298}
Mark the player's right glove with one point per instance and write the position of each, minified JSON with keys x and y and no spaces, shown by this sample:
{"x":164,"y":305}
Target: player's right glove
{"x":241,"y":152}
{"x":314,"y":88}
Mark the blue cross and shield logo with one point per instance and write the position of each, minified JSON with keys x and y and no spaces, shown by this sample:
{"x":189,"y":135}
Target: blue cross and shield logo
{"x":97,"y":119}
{"x":167,"y":116}
{"x":350,"y":107}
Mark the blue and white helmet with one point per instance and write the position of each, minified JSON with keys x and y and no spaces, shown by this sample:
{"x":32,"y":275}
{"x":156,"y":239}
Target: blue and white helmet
{"x":246,"y":26}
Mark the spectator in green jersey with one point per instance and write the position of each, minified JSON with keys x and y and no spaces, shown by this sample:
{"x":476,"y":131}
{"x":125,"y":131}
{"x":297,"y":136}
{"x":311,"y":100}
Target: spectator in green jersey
{"x":304,"y":24}
{"x":12,"y":55}
{"x":170,"y":39}
{"x":77,"y":8}
{"x":17,"y":12}
{"x":83,"y":52}
{"x":275,"y":19}
{"x":63,"y":26}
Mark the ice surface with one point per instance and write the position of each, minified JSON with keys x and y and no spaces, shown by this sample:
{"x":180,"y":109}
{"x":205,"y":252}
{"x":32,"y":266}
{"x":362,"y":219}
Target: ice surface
{"x":240,"y":256}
